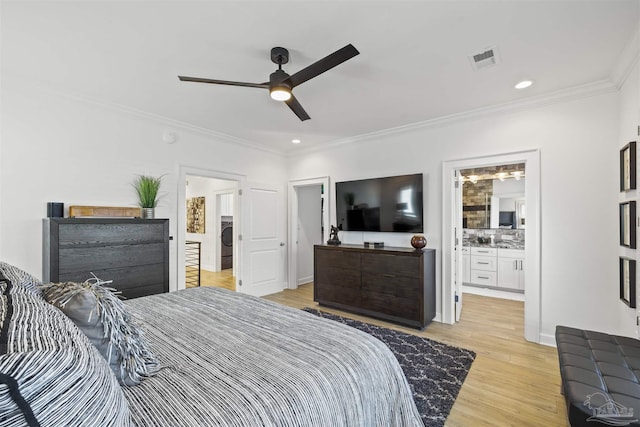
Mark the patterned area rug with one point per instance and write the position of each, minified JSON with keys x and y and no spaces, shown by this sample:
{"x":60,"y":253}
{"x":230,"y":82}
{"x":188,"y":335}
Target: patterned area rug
{"x":435,"y":371}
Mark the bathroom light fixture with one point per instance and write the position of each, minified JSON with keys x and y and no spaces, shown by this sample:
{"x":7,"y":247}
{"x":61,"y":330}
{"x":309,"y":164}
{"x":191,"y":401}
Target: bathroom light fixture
{"x":501,"y":175}
{"x":517,"y":175}
{"x":473,"y":178}
{"x":296,"y":141}
{"x":523,"y":84}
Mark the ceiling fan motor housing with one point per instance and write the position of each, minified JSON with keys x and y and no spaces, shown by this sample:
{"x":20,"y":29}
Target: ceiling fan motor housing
{"x":278,"y":77}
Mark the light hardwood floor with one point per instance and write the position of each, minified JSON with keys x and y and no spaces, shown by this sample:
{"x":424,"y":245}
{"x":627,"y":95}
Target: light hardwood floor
{"x":512,"y":382}
{"x":220,"y":279}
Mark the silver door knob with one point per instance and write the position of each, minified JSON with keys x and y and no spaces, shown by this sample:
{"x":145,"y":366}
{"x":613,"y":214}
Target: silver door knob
{"x":281,"y":243}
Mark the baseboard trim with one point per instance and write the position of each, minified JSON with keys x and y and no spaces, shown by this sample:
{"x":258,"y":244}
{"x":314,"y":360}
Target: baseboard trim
{"x":548,"y":340}
{"x":304,"y":280}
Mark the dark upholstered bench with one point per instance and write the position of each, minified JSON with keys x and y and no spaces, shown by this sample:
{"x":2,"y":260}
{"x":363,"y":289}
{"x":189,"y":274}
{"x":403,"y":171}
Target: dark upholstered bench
{"x":600,"y":377}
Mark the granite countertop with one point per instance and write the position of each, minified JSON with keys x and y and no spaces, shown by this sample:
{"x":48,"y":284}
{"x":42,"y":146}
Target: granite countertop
{"x":502,"y":244}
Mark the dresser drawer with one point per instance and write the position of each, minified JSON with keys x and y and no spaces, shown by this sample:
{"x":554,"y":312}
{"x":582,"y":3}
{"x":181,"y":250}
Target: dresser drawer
{"x":86,"y":259}
{"x":407,"y":308}
{"x":337,"y":259}
{"x":480,"y":277}
{"x":339,"y":277}
{"x":397,"y":265}
{"x":388,"y":284}
{"x":486,"y":263}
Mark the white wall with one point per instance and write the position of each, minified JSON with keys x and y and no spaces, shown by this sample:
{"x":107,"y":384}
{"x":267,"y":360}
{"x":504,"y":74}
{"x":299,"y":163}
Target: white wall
{"x":628,"y":131}
{"x":578,"y":173}
{"x":57,"y":148}
{"x":208,"y":188}
{"x":309,"y":229}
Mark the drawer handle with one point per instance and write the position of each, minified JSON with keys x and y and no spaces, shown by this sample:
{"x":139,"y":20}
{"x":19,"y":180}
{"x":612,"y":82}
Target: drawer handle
{"x":483,"y":277}
{"x":483,"y":252}
{"x":485,"y":263}
{"x":389,"y":275}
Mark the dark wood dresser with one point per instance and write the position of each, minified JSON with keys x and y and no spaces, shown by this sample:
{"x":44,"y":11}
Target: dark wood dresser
{"x":132,"y":252}
{"x":396,"y":284}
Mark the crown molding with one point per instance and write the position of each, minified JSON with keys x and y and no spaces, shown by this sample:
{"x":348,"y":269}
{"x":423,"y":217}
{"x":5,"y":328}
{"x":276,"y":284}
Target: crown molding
{"x":175,"y":124}
{"x":627,"y":60}
{"x":561,"y":96}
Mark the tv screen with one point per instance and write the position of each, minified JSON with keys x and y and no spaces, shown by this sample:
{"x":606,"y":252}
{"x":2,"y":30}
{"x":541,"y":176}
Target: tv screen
{"x":380,"y":204}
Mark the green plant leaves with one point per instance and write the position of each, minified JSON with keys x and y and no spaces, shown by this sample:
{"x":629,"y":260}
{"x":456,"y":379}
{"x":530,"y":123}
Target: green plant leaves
{"x":147,"y":188}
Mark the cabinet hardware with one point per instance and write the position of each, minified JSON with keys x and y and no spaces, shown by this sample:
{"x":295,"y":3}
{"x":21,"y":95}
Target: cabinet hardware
{"x":485,"y":263}
{"x":483,"y":277}
{"x":520,"y":265}
{"x":515,"y":261}
{"x":388,"y":275}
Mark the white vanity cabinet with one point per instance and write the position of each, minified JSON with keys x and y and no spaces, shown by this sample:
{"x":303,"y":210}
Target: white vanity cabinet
{"x":511,"y":269}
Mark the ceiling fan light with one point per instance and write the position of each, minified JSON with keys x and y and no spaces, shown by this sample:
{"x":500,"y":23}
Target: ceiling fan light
{"x":280,"y":93}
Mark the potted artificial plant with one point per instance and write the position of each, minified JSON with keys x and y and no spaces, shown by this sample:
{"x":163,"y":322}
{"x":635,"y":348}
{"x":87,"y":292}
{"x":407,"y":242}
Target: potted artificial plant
{"x":147,"y":188}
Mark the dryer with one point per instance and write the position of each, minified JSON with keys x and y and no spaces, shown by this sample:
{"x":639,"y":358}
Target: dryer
{"x":226,"y":243}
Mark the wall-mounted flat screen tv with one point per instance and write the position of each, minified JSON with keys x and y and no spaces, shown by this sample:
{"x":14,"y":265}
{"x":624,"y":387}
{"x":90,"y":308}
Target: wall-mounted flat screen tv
{"x":381,"y":204}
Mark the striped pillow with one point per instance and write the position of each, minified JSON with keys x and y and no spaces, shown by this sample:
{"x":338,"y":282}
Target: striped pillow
{"x":102,"y":316}
{"x":50,"y":373}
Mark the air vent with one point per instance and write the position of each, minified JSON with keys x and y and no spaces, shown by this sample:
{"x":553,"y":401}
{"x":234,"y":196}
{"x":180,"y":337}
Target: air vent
{"x":486,"y":58}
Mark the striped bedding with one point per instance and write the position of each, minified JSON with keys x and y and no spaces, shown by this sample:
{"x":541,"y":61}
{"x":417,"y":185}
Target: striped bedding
{"x":234,"y":360}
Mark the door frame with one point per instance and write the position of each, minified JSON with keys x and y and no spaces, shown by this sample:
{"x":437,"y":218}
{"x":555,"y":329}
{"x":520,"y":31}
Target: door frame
{"x":532,"y":305}
{"x":292,"y":258}
{"x":181,"y":217}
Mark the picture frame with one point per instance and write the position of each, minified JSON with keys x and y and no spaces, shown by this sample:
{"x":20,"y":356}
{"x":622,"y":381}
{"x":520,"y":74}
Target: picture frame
{"x":628,"y":224}
{"x":628,"y":167}
{"x":196,"y":215}
{"x":628,"y":281}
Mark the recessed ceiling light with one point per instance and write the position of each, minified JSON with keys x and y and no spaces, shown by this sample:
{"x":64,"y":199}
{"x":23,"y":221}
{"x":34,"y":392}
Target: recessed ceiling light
{"x":524,"y":84}
{"x":296,"y":141}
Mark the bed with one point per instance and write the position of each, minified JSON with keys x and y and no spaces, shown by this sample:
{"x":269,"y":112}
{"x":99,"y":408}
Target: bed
{"x":227,"y":359}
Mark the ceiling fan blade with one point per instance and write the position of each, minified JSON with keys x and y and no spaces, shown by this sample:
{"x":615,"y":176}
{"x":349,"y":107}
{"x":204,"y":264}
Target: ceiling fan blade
{"x":297,"y":108}
{"x":223,"y":82}
{"x":325,"y":64}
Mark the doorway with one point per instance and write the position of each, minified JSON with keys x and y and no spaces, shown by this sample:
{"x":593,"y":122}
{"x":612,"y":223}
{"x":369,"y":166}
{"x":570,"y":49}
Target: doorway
{"x":308,"y":226}
{"x":493,"y":221}
{"x":209,"y":239}
{"x":452,"y":233}
{"x":194,"y":182}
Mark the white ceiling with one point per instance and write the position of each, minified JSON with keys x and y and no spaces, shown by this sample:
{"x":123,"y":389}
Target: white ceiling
{"x":413,"y":64}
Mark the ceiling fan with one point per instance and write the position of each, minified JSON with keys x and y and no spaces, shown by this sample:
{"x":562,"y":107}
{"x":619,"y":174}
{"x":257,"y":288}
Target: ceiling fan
{"x":280,"y":83}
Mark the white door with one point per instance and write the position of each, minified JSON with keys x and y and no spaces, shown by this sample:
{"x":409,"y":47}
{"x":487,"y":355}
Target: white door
{"x":458,"y":276}
{"x":262,"y":239}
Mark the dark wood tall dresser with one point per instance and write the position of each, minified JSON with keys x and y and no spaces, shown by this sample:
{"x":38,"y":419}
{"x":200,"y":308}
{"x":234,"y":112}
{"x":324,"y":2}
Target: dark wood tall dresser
{"x":132,"y":252}
{"x":396,"y":284}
